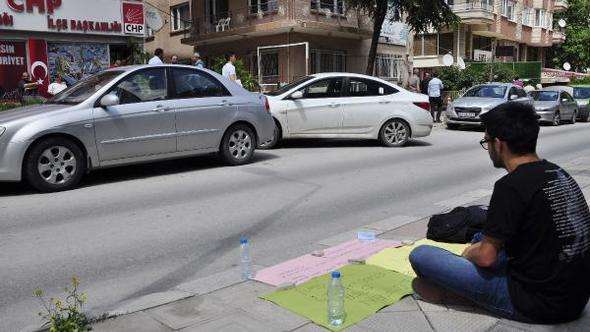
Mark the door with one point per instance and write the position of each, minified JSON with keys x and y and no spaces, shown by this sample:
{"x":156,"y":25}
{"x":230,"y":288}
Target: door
{"x":203,"y":108}
{"x":320,"y":109}
{"x":567,"y":104}
{"x":365,"y":105}
{"x":142,"y":124}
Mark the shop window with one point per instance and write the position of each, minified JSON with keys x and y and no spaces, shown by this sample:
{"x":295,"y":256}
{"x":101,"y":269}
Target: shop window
{"x":334,"y":6}
{"x":327,"y":61}
{"x":262,"y":6}
{"x":180,"y":17}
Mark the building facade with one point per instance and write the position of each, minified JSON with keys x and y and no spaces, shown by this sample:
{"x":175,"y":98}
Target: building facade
{"x":70,"y":37}
{"x":493,"y":30}
{"x":177,"y":21}
{"x":294,"y":38}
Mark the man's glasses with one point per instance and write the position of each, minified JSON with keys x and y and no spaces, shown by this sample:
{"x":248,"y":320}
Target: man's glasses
{"x":485,"y":143}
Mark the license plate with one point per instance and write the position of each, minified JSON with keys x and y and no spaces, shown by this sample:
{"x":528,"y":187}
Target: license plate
{"x":466,"y":115}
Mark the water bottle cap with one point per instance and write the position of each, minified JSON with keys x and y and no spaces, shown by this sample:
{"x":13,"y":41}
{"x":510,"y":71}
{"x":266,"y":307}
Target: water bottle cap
{"x":243,"y":240}
{"x":335,"y":275}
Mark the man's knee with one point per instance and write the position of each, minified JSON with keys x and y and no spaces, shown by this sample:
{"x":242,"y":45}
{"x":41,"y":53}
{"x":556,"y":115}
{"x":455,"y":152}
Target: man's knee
{"x":420,"y":256}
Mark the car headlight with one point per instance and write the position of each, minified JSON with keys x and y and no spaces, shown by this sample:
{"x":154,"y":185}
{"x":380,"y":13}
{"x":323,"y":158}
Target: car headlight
{"x":2,"y":130}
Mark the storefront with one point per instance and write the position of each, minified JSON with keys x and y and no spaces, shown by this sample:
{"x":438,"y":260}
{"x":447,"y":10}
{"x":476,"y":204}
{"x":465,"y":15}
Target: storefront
{"x":71,"y":37}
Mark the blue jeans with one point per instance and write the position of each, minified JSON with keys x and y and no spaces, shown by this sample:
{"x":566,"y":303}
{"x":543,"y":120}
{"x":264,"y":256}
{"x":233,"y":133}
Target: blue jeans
{"x":487,"y":287}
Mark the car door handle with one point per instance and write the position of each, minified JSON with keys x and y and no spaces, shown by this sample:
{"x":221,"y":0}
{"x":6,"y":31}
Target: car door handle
{"x":161,"y":108}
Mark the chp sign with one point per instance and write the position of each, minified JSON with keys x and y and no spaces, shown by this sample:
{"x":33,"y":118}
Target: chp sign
{"x":133,"y":18}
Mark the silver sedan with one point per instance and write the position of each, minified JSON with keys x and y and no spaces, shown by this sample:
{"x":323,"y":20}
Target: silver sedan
{"x":130,"y":115}
{"x":554,"y":107}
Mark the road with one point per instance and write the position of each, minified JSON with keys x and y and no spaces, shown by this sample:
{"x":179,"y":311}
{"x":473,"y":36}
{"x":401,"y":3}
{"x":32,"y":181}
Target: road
{"x":137,"y":230}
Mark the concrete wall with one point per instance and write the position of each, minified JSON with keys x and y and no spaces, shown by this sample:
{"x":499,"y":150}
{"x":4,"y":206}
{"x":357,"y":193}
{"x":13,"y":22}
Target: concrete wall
{"x":165,"y":39}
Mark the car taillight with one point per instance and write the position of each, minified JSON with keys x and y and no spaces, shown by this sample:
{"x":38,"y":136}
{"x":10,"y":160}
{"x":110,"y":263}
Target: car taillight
{"x":266,"y":105}
{"x":423,"y":105}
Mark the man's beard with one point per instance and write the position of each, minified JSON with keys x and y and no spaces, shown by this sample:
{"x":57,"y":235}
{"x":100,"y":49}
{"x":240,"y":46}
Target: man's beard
{"x":496,"y":160}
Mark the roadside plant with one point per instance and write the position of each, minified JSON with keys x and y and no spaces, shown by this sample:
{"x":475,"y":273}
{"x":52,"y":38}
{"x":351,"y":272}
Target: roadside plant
{"x":64,"y":315}
{"x":248,"y":81}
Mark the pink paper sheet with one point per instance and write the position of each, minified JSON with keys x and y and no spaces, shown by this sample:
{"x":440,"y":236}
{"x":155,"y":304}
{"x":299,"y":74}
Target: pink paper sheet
{"x":304,"y":268}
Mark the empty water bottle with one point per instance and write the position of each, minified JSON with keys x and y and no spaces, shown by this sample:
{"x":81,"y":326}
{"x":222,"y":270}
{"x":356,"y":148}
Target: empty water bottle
{"x":336,"y":312}
{"x":245,"y":261}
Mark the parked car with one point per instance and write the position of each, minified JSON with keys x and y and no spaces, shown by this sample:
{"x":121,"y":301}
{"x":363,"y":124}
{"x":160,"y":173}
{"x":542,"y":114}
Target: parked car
{"x":467,"y":109}
{"x":130,"y":115}
{"x":345,"y":105}
{"x":581,"y":94}
{"x":554,"y":106}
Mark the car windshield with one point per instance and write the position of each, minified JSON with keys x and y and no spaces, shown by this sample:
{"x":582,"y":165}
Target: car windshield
{"x":85,"y":88}
{"x":582,"y":93}
{"x":545,"y":95}
{"x":290,"y":86}
{"x":487,"y":91}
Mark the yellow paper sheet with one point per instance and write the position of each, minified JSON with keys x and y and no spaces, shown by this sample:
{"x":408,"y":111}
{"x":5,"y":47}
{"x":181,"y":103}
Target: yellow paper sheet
{"x":397,"y":259}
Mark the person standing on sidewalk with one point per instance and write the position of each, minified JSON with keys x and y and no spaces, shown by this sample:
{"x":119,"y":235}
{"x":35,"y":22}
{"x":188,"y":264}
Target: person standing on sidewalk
{"x":424,"y":84}
{"x":532,"y":261}
{"x":415,"y":81}
{"x":229,"y":70}
{"x":197,"y":61}
{"x":435,"y":87}
{"x":157,"y":58}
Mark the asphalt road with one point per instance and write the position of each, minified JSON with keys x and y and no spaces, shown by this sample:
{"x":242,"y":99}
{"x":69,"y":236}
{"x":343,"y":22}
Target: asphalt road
{"x":137,"y":230}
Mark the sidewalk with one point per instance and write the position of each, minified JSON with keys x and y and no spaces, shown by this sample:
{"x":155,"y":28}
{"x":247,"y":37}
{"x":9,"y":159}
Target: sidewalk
{"x":223,"y":302}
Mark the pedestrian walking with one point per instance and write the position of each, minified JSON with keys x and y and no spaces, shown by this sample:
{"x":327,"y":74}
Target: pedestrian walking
{"x":229,"y":69}
{"x":157,"y":58}
{"x":435,"y":87}
{"x":415,"y":81}
{"x":531,"y":263}
{"x":197,"y":62}
{"x":424,"y":84}
{"x":57,"y":86}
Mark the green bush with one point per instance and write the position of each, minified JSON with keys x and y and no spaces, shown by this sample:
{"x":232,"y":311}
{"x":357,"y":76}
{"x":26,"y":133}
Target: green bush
{"x":585,"y":80}
{"x":10,"y":104}
{"x":456,"y":79}
{"x":248,"y":81}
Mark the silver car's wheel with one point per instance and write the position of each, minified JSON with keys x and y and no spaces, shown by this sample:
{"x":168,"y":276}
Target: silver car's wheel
{"x":54,"y":164}
{"x":57,"y":165}
{"x":238,"y":145}
{"x":395,"y":133}
{"x":574,"y":117}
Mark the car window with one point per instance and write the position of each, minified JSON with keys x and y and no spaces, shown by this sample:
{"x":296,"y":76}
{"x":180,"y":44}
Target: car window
{"x":143,"y":86}
{"x":566,"y":96}
{"x":189,"y":83}
{"x":544,"y":95}
{"x":582,"y":92}
{"x":326,"y":88}
{"x":486,"y":91}
{"x":513,"y":91}
{"x":521,"y":93}
{"x":290,"y":86}
{"x":359,"y":87}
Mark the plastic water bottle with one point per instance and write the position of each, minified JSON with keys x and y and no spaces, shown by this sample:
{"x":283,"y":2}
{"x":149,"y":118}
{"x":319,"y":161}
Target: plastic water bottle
{"x":336,"y":312}
{"x":245,"y":261}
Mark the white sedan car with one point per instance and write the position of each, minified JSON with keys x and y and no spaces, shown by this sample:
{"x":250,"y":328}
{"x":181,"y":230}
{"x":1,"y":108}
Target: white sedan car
{"x":345,"y":105}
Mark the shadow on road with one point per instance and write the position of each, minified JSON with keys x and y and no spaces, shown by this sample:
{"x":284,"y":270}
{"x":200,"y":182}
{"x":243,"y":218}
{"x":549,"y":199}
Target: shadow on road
{"x":340,"y":143}
{"x":139,"y":171}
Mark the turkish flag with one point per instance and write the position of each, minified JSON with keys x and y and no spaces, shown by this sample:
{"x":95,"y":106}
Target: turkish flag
{"x":39,"y":69}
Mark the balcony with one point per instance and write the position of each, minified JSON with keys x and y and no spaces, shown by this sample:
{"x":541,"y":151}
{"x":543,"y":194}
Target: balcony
{"x":558,"y":37}
{"x":475,"y":12}
{"x":560,"y":5}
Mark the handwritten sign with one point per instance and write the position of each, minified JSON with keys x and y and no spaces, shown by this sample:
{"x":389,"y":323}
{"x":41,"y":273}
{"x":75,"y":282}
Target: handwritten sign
{"x":367,"y":290}
{"x":302,"y":269}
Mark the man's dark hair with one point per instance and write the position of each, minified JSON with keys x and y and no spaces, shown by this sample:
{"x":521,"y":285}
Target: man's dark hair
{"x":228,"y":55}
{"x":159,"y":52}
{"x":434,"y":74}
{"x":514,"y":123}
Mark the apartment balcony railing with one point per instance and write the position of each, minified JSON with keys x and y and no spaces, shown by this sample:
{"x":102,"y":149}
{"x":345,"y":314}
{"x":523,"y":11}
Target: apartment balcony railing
{"x":560,"y":5}
{"x":474,"y":12}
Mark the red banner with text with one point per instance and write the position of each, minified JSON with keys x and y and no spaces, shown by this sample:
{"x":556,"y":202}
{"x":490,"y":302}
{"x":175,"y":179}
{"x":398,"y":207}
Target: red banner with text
{"x":13,"y":63}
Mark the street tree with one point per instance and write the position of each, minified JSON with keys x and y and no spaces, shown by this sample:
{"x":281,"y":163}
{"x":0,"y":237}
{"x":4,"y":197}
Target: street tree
{"x":576,"y":49}
{"x":418,"y":14}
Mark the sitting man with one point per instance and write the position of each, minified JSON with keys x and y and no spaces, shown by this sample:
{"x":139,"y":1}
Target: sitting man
{"x":531,"y":261}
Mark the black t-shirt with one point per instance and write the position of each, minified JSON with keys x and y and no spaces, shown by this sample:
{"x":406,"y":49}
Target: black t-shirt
{"x":540,"y":213}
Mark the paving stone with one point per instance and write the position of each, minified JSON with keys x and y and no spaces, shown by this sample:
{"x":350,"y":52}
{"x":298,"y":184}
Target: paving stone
{"x":196,"y":310}
{"x":215,"y":281}
{"x":244,"y":296}
{"x":465,"y":198}
{"x":311,"y":327}
{"x":137,"y":322}
{"x":500,"y":327}
{"x":414,"y":321}
{"x":392,"y":223}
{"x":149,"y":301}
{"x":413,"y":231}
{"x":453,"y":321}
{"x":406,"y":304}
{"x":232,"y":322}
{"x":431,"y":307}
{"x":344,"y":237}
{"x":582,"y":324}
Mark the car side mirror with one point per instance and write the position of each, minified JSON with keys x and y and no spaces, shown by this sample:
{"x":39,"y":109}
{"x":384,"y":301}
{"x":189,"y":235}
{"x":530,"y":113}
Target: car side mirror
{"x":564,"y":100}
{"x":109,"y":100}
{"x":297,"y":95}
{"x":513,"y":97}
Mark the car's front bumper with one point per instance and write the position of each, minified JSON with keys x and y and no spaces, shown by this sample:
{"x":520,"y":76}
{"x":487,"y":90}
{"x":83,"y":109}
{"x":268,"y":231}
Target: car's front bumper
{"x":11,"y":160}
{"x":475,"y":122}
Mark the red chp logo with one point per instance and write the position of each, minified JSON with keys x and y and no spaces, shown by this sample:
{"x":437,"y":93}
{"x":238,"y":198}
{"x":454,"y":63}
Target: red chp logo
{"x":42,"y":5}
{"x":133,"y":20}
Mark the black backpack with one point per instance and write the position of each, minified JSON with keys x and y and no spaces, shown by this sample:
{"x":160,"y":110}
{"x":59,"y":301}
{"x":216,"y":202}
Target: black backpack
{"x":457,"y":226}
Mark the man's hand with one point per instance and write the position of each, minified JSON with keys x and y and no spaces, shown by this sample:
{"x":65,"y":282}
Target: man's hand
{"x":484,"y":253}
